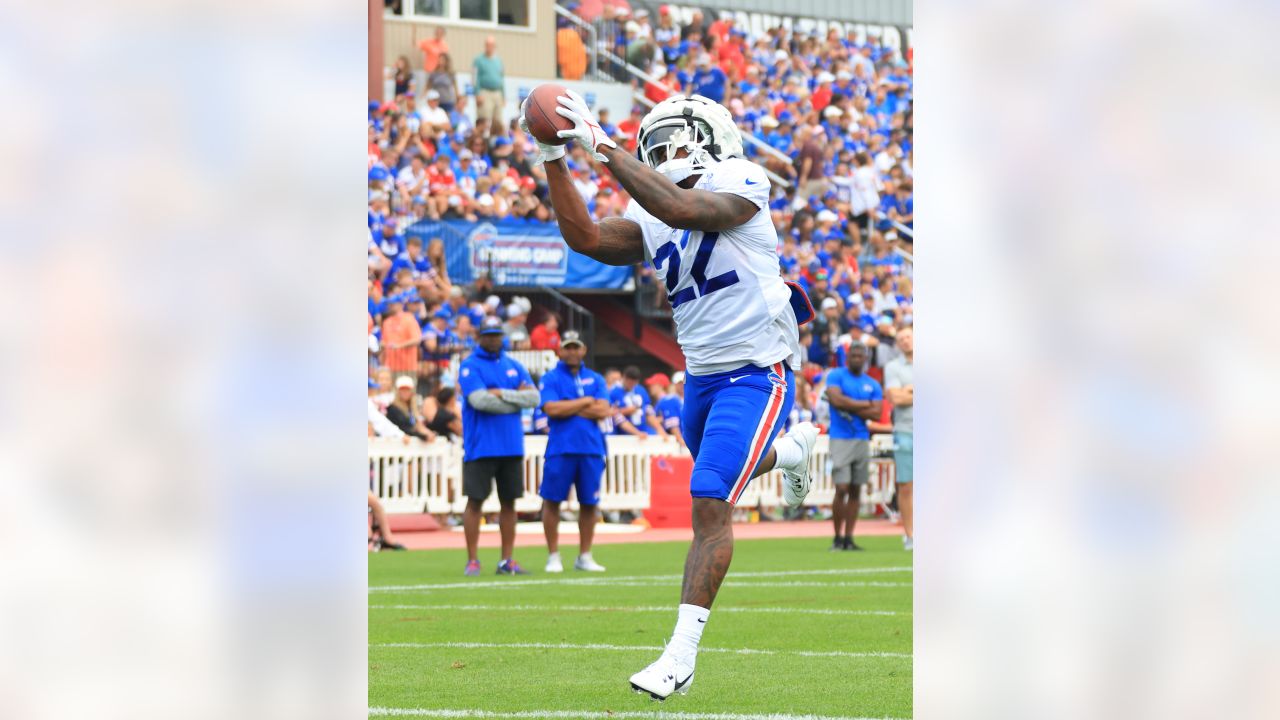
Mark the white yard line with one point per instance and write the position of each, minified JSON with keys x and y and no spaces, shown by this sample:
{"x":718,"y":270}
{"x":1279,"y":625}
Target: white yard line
{"x":637,"y":648}
{"x":517,"y":584}
{"x":648,"y":608}
{"x":656,"y":580}
{"x":603,"y":714}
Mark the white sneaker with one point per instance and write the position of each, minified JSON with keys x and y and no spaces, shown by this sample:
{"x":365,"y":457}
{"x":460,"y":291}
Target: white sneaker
{"x":553,"y":564}
{"x":587,"y":563}
{"x":796,"y":481}
{"x":908,"y":543}
{"x":665,"y":676}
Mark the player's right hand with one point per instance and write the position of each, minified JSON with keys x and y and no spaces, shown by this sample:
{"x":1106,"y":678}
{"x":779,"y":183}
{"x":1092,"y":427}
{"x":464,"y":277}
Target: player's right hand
{"x":545,"y":152}
{"x":586,"y":129}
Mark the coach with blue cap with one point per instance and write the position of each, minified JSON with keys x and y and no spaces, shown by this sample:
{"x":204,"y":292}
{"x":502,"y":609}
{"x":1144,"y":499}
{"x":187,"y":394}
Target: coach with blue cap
{"x":494,"y":389}
{"x":577,"y":408}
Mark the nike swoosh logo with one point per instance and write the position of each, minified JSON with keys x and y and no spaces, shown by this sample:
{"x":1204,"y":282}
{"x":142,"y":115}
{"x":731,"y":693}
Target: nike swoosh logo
{"x":734,"y":380}
{"x":684,"y":682}
{"x":701,"y":620}
{"x":749,"y":182}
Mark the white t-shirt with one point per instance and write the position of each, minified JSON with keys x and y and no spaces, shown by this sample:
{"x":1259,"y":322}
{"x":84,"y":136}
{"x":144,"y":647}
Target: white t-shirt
{"x":436,"y":117}
{"x":729,"y":302}
{"x":865,"y":196}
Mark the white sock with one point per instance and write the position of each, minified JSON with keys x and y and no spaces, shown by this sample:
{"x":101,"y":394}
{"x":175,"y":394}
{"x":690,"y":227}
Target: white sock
{"x":585,"y":556}
{"x":689,"y":625}
{"x":553,"y":556}
{"x":790,"y":454}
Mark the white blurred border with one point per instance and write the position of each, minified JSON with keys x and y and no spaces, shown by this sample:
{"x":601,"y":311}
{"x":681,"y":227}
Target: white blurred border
{"x":182,"y":440}
{"x":1096,"y":346}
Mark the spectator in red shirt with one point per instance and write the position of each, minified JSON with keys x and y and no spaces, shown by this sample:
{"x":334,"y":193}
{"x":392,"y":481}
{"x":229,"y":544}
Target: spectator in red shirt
{"x":631,"y":126}
{"x":547,"y":335}
{"x":661,"y":90}
{"x":822,"y":94}
{"x":732,"y":60}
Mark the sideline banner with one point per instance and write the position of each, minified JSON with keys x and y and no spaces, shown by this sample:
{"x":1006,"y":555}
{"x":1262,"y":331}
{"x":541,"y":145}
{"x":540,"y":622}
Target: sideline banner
{"x":516,"y":252}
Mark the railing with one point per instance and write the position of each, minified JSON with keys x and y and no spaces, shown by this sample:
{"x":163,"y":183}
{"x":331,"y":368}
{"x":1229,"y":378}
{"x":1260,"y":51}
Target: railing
{"x":572,"y":317}
{"x":897,"y":225}
{"x":589,"y":40}
{"x":649,"y":299}
{"x":427,"y":477}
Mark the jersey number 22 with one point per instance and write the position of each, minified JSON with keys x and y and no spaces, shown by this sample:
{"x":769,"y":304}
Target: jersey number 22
{"x":701,"y":285}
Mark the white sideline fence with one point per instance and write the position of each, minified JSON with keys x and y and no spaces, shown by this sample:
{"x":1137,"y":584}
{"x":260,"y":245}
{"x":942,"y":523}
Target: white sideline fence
{"x":427,"y":477}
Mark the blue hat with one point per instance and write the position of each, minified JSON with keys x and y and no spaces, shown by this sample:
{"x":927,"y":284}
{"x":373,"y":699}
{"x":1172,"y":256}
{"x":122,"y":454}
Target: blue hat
{"x":883,"y":225}
{"x":441,"y":313}
{"x":491,"y":326}
{"x":379,"y":173}
{"x":501,"y":141}
{"x":374,"y":105}
{"x":372,"y":383}
{"x":785,"y":117}
{"x":412,"y":296}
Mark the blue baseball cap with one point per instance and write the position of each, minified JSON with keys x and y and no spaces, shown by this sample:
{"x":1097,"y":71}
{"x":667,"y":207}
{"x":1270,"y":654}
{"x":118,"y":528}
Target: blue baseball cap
{"x":378,"y":173}
{"x":372,"y":383}
{"x":491,"y":326}
{"x":441,"y":313}
{"x":501,"y":141}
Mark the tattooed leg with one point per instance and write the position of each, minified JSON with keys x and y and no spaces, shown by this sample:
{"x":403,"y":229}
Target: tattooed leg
{"x":710,"y":553}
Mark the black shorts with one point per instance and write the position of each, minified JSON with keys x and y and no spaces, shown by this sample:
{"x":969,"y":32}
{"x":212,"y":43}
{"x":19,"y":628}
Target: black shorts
{"x":478,"y":477}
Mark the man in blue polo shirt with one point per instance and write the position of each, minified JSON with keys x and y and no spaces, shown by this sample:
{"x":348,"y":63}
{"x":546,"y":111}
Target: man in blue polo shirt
{"x":577,"y":410}
{"x":855,"y":398}
{"x":494,"y":388}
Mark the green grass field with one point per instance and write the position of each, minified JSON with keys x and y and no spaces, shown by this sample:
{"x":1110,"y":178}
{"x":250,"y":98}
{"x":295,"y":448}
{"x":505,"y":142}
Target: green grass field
{"x":796,"y":631}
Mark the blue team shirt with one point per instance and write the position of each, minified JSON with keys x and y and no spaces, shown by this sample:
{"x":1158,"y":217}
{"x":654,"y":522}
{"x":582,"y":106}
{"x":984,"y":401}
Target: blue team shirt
{"x":488,"y":434}
{"x":669,"y":409}
{"x":846,"y":426}
{"x":710,"y":83}
{"x":634,"y":405}
{"x":573,"y":435}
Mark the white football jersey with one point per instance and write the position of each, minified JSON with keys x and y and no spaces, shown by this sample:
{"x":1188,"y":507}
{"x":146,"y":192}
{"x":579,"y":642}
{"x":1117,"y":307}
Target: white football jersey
{"x":730,"y":304}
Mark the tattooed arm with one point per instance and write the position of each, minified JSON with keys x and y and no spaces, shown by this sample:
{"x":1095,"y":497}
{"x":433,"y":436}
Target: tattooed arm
{"x":612,"y":241}
{"x":677,"y":207}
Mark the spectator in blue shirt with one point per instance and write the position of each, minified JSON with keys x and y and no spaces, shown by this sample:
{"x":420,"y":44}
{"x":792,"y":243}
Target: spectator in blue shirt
{"x":573,"y":399}
{"x":494,"y":389}
{"x":632,"y":408}
{"x":709,"y":80}
{"x":855,"y":398}
{"x":668,"y":402}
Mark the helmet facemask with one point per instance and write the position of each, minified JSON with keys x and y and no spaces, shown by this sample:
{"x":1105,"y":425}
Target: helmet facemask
{"x":660,"y":146}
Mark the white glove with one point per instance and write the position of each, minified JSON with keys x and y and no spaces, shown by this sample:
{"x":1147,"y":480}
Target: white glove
{"x":545,"y":152}
{"x":586,"y":129}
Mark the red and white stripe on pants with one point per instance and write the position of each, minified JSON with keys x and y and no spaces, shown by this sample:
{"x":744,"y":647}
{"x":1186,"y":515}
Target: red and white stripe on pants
{"x":764,"y":430}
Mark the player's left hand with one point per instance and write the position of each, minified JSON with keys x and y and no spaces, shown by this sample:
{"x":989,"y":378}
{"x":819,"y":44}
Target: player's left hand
{"x":586,"y":129}
{"x":546,"y":153}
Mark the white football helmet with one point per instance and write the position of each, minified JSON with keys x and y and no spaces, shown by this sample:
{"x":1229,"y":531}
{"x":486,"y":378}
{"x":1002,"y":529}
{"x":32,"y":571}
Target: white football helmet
{"x":697,"y":124}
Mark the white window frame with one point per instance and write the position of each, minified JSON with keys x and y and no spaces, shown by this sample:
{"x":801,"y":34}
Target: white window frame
{"x":451,"y":19}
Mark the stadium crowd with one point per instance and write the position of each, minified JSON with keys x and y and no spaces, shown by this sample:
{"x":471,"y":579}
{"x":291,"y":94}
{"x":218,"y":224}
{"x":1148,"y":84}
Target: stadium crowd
{"x":839,"y":109}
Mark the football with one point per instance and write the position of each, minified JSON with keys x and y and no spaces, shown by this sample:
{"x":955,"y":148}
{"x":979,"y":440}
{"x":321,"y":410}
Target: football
{"x":540,"y":114}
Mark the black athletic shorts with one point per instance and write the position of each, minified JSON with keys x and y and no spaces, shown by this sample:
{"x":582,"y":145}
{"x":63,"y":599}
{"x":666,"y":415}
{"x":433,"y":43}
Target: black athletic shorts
{"x":479,"y":475}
